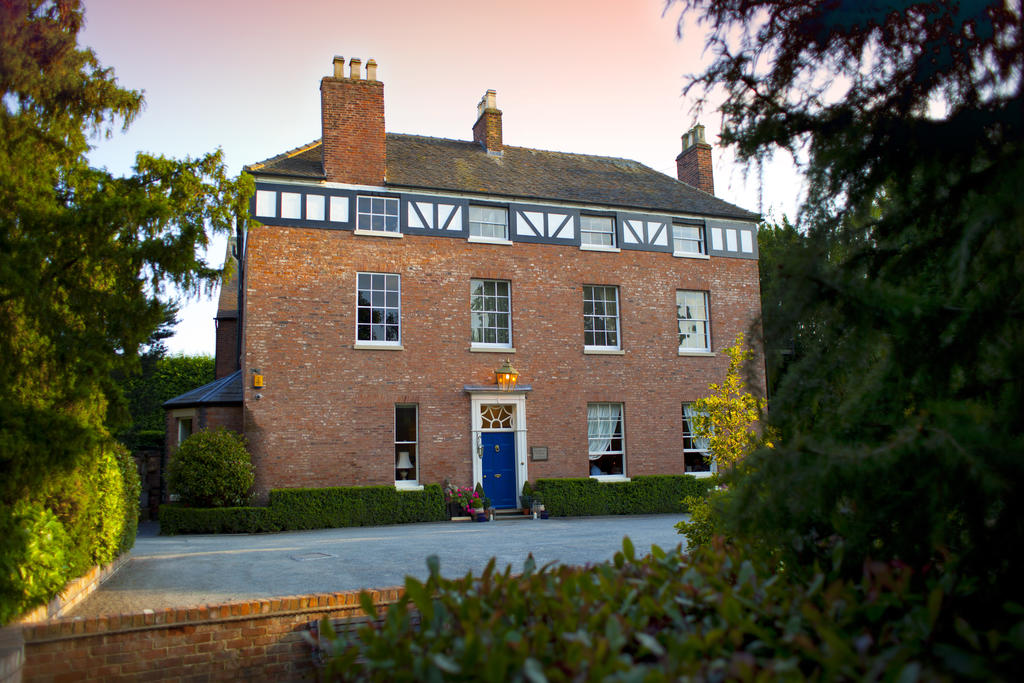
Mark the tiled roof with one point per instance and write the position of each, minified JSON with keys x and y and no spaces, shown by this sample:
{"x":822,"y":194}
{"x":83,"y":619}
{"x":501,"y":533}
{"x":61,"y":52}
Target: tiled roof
{"x":224,"y":391}
{"x":418,"y":162}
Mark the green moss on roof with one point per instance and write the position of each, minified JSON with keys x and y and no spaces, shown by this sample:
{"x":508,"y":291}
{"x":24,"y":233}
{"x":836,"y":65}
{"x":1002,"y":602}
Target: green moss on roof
{"x":425,"y":163}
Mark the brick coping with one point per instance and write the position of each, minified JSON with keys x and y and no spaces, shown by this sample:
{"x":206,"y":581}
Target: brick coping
{"x":65,"y":628}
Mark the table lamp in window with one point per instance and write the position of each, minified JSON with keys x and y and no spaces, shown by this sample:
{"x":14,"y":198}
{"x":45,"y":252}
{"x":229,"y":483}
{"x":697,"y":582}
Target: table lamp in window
{"x":404,"y":465}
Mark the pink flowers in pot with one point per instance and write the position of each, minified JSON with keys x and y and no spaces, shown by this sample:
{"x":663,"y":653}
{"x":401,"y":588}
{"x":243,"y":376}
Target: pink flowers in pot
{"x":467,"y":498}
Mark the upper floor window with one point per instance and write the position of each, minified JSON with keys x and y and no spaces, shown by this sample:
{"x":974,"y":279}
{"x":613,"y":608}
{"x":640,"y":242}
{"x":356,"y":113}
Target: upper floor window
{"x":696,"y":456}
{"x":489,"y":222}
{"x":606,"y":450}
{"x":692,"y":315}
{"x":379,"y":214}
{"x":406,"y":442}
{"x":597,"y":231}
{"x":601,"y":316}
{"x":490,"y":306}
{"x":688,"y":239}
{"x":378,"y":308}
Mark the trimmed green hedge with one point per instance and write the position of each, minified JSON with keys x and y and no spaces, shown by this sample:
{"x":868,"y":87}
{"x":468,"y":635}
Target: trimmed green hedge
{"x":311,"y":509}
{"x":177,"y":519}
{"x":85,"y":516}
{"x":640,"y":496}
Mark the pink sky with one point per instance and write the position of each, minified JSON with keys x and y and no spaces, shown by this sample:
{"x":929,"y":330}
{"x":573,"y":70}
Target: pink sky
{"x":600,"y":77}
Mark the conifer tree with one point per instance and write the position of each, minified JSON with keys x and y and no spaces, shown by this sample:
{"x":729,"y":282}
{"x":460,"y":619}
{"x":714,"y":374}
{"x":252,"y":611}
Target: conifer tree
{"x":86,"y":258}
{"x":900,"y":425}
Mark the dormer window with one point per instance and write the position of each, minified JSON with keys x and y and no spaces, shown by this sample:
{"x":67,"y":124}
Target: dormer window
{"x":377,"y":214}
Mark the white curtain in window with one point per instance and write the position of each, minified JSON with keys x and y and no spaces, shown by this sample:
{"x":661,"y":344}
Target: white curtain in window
{"x":702,"y":443}
{"x":602,"y":418}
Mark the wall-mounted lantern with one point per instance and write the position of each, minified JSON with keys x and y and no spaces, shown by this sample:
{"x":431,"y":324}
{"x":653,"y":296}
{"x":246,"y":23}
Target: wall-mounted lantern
{"x":506,"y":376}
{"x":257,"y":379}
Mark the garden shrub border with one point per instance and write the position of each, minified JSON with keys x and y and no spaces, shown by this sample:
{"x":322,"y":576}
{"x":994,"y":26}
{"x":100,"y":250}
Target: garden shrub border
{"x":313,"y":508}
{"x":642,"y":495}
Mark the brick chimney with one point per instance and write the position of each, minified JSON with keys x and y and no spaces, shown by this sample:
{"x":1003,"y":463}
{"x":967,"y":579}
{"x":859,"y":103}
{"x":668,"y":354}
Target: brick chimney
{"x":352,"y":114}
{"x":487,"y":129}
{"x":694,"y":163}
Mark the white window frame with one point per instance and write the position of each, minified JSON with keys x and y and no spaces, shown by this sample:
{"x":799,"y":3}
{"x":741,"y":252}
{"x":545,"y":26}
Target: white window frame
{"x":413,"y":483}
{"x":689,"y":437}
{"x":587,"y":232}
{"x":621,"y":452}
{"x":601,"y":316}
{"x":389,"y":209}
{"x":705,"y":322}
{"x":476,"y":224}
{"x":182,"y":422}
{"x":378,"y":343}
{"x":701,"y":249}
{"x":485,"y":312}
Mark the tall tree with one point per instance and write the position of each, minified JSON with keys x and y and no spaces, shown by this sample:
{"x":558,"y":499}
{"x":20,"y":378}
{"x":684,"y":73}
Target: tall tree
{"x":85,"y":257}
{"x":900,"y":430}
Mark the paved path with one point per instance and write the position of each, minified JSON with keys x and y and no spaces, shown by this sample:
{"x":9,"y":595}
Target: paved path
{"x":180,"y":571}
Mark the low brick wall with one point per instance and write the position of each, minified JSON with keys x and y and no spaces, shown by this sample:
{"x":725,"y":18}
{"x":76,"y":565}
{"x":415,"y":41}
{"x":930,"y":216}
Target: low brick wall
{"x":251,"y":640}
{"x":75,"y":592}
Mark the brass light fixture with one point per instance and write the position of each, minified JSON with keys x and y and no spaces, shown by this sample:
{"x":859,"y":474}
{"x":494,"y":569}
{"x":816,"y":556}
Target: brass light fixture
{"x":506,"y":376}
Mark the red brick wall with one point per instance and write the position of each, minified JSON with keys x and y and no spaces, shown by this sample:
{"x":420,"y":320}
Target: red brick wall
{"x":226,"y":353}
{"x":694,"y":167}
{"x":327,"y":410}
{"x":253,"y":640}
{"x":487,"y":130}
{"x":353,"y":130}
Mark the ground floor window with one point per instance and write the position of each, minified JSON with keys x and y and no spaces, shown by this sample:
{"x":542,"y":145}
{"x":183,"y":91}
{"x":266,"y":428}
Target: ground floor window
{"x":406,"y":442}
{"x":606,"y":452}
{"x":696,"y":457}
{"x":184,"y":428}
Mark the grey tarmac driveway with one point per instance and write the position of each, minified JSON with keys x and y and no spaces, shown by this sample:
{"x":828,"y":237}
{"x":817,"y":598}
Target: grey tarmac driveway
{"x":182,"y":571}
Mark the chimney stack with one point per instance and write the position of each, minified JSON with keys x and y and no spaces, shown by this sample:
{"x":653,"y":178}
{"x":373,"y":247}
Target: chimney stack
{"x":487,"y":129}
{"x":694,"y":163}
{"x":352,"y":118}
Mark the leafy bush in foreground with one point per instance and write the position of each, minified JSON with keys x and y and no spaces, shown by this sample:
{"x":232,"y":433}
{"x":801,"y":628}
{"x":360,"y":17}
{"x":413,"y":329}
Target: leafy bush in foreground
{"x":709,"y":616}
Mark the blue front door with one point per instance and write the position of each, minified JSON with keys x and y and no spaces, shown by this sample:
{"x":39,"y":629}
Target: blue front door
{"x":499,"y":468}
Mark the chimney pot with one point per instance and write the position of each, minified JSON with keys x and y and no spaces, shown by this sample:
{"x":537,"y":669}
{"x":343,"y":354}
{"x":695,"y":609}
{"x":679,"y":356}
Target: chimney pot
{"x":353,"y":147}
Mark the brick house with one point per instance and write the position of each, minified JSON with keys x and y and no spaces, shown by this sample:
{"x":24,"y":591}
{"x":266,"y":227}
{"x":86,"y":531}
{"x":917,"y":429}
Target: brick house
{"x":390,"y":275}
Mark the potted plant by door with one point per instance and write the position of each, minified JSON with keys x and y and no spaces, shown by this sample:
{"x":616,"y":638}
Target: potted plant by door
{"x":467,"y":499}
{"x":526,"y":498}
{"x":481,"y":503}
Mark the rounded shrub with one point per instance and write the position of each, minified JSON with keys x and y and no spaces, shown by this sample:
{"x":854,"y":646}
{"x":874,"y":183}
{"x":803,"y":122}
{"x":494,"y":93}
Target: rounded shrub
{"x":211,"y":469}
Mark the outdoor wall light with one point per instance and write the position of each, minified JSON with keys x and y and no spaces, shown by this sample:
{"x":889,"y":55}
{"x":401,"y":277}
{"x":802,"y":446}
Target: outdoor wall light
{"x":506,"y":376}
{"x":257,"y":379}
